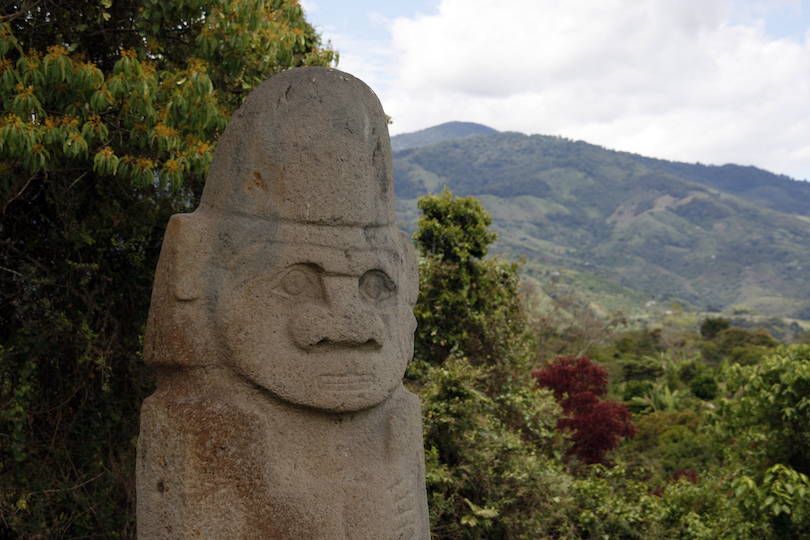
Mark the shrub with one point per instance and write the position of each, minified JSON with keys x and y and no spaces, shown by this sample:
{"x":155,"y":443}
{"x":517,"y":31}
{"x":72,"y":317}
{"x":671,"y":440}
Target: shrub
{"x":681,"y":448}
{"x":689,"y":369}
{"x":596,"y":425}
{"x":645,"y":369}
{"x":653,"y":425}
{"x":704,"y":386}
{"x":636,"y":388}
{"x":711,"y":327}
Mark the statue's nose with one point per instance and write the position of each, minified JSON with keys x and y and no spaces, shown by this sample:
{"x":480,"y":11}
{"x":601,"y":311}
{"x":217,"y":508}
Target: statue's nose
{"x":345,"y":320}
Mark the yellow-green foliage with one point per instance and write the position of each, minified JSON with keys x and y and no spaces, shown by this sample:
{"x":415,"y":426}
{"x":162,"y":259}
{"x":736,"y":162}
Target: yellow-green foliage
{"x":148,"y":106}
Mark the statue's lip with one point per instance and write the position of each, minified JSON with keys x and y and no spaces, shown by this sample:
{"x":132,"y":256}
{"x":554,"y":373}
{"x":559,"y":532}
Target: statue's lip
{"x":347,"y":381}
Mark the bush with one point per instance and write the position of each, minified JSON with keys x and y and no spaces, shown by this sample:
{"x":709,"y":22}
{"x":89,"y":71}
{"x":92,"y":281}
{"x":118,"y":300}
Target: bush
{"x":689,"y":369}
{"x":653,"y":425}
{"x":711,"y":327}
{"x":747,"y":355}
{"x":681,"y":448}
{"x":596,"y":425}
{"x":636,"y":388}
{"x":639,"y":343}
{"x":704,"y":386}
{"x":645,"y":369}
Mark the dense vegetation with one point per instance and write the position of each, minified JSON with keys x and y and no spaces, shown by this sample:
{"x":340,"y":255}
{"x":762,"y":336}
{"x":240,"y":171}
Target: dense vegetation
{"x":110,"y":114}
{"x":651,"y":228}
{"x":716,"y":447}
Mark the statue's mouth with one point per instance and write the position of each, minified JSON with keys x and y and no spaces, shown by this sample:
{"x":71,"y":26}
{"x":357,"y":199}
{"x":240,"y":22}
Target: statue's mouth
{"x":346,"y":383}
{"x":327,"y":345}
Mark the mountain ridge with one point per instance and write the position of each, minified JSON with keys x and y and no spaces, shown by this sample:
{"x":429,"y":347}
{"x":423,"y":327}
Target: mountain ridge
{"x":775,"y":191}
{"x":630,"y":219}
{"x":442,"y":132}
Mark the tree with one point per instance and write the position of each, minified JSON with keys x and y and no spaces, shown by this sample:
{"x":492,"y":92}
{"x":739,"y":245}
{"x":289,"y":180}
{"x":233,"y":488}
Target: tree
{"x":453,"y":229}
{"x":467,"y":306}
{"x":704,"y":386}
{"x":491,"y":466}
{"x":111,"y":112}
{"x":569,"y":377}
{"x":489,"y":434}
{"x":711,"y":327}
{"x":596,"y":425}
{"x":737,"y":346}
{"x":764,"y":434}
{"x":769,"y":417}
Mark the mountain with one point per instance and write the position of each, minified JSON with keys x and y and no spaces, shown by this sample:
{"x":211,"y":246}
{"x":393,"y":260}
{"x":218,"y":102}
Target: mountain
{"x":777,"y":192}
{"x":443,"y":132}
{"x":663,"y":229}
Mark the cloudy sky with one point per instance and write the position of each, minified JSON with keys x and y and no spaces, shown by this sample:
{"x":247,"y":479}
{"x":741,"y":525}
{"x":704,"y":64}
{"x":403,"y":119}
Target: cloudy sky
{"x":710,"y":81}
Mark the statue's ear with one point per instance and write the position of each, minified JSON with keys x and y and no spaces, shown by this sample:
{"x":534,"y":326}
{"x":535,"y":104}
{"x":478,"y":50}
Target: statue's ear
{"x":188,"y":250}
{"x":177,"y":332}
{"x":410,"y":271}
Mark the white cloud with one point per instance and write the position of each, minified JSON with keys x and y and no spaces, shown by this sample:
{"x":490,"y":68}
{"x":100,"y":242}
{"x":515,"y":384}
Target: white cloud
{"x":309,"y":7}
{"x":669,"y":79}
{"x":369,"y":60}
{"x":360,"y":36}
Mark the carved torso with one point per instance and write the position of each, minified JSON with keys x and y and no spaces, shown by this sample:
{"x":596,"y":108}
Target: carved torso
{"x":278,"y":472}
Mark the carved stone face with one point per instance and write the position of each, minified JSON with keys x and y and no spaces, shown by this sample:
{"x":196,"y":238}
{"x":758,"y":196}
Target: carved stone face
{"x":320,"y":316}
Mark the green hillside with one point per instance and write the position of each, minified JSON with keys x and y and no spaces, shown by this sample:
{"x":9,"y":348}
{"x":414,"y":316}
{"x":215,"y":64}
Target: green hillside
{"x":777,"y":192}
{"x":633,"y":221}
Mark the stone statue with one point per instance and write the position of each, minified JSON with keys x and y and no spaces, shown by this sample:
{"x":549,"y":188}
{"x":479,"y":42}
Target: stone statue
{"x":280,"y":328}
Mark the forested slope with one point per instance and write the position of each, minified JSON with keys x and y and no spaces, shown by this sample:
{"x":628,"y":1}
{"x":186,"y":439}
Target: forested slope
{"x":633,"y":220}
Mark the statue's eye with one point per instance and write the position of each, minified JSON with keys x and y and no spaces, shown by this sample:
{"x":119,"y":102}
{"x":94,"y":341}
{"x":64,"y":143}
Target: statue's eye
{"x":302,"y":281}
{"x":376,"y":286}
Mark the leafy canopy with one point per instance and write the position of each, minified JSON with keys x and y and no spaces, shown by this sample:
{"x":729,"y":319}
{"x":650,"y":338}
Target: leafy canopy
{"x":455,"y":229}
{"x":764,"y":433}
{"x":769,"y":419}
{"x":467,"y":306}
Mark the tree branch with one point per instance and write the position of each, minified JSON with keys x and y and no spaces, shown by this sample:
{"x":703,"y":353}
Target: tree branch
{"x":18,"y":194}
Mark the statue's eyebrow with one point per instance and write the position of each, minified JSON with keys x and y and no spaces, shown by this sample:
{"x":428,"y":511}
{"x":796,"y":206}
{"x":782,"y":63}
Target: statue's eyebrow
{"x":384,"y":260}
{"x":252,"y":263}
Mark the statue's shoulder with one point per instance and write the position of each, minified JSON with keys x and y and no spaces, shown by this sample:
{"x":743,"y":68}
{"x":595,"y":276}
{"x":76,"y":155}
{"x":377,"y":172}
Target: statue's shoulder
{"x":405,"y":402}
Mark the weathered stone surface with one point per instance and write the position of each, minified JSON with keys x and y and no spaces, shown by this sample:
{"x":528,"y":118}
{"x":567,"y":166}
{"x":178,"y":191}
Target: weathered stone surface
{"x":280,"y":328}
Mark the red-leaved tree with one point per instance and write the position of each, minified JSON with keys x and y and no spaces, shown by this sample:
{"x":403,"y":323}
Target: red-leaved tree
{"x":596,"y":425}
